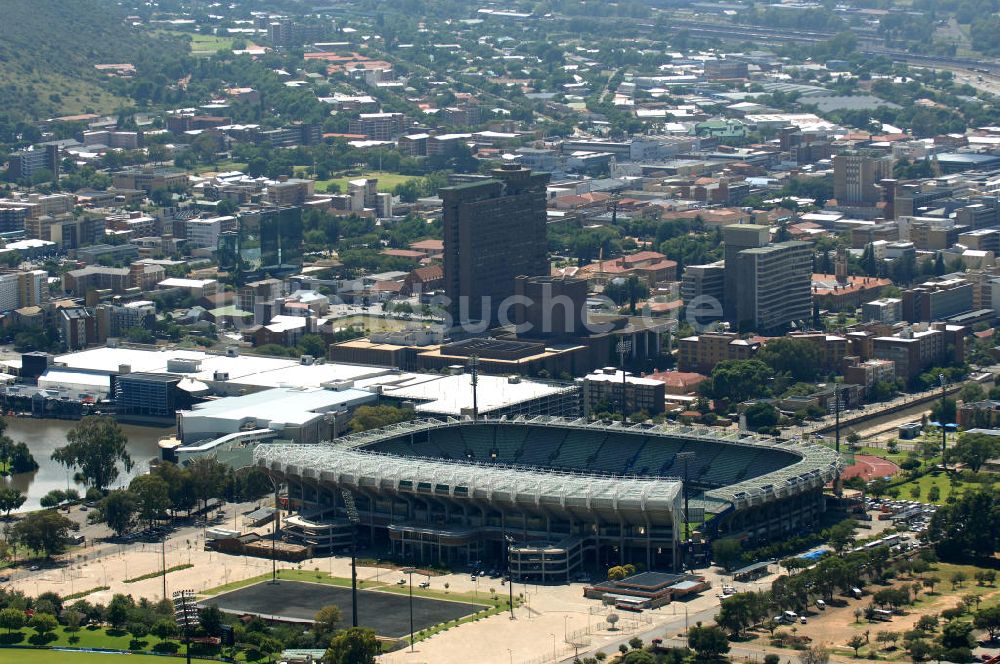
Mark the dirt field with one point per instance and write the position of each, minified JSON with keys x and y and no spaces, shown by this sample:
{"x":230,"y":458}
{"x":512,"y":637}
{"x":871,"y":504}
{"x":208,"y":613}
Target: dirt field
{"x":837,"y":624}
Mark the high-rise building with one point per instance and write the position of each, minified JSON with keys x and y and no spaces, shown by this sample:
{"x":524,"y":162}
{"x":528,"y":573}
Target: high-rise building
{"x":25,"y":164}
{"x":551,"y":306}
{"x":774,"y":285}
{"x":267,"y":241}
{"x":856,"y":178}
{"x":703,"y":281}
{"x":738,"y":237}
{"x":379,"y":126}
{"x":22,"y":289}
{"x":494,"y":231}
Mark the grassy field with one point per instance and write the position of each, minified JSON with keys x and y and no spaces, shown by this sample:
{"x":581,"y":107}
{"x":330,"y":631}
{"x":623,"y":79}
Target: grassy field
{"x":386,"y":181}
{"x":88,"y":637}
{"x":73,"y":95}
{"x":222,"y":167}
{"x":210,"y":44}
{"x":373,"y":323}
{"x":22,"y":656}
{"x":925,"y":483}
{"x":204,"y":44}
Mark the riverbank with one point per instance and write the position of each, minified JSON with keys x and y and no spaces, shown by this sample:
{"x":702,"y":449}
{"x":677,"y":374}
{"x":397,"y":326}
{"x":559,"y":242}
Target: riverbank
{"x":44,"y":436}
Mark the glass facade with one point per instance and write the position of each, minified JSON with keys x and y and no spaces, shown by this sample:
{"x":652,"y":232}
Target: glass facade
{"x":268,"y":242}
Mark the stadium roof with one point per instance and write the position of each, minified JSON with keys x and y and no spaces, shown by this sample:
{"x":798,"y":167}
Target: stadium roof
{"x":361,"y":468}
{"x":345,"y":463}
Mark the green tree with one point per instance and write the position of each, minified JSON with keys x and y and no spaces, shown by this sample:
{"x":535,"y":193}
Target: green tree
{"x":856,"y":642}
{"x":762,"y":414}
{"x":814,"y":655}
{"x":971,"y":392}
{"x":119,"y":511}
{"x":210,"y":618}
{"x":974,"y":449}
{"x":118,"y":611}
{"x":957,"y":634}
{"x":12,"y":619}
{"x":208,"y":477}
{"x":799,"y":358}
{"x":312,"y":344}
{"x":97,"y":446}
{"x":968,"y":527}
{"x":841,"y":535}
{"x":726,"y":552}
{"x":736,"y":613}
{"x":375,"y":417}
{"x":326,"y":620}
{"x":708,"y":642}
{"x":988,"y":619}
{"x":164,"y":628}
{"x":152,"y":496}
{"x":44,"y":623}
{"x":738,"y":380}
{"x":10,"y":499}
{"x":45,"y":532}
{"x":355,"y":645}
{"x":52,"y":498}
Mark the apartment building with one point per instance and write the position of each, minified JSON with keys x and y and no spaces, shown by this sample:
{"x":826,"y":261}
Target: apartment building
{"x":915,"y":349}
{"x":22,"y":288}
{"x":700,"y":354}
{"x":603,"y":389}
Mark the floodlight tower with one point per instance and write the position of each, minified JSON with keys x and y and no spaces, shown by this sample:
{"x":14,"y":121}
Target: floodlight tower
{"x":623,"y":348}
{"x":355,"y":519}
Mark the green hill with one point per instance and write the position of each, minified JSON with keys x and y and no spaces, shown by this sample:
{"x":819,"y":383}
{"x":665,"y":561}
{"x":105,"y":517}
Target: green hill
{"x":48,"y":49}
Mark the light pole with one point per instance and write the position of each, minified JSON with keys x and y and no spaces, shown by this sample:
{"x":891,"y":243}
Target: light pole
{"x":944,"y":439}
{"x":277,"y":515}
{"x":685,"y":456}
{"x":553,"y":646}
{"x":410,"y":570}
{"x":508,"y":540}
{"x":163,"y":560}
{"x":837,"y":490}
{"x":355,"y":519}
{"x":623,"y":348}
{"x":474,"y":369}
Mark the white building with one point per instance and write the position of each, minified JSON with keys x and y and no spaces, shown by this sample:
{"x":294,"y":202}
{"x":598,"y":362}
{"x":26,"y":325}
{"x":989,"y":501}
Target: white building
{"x":205,"y":232}
{"x":304,"y":415}
{"x":22,"y":289}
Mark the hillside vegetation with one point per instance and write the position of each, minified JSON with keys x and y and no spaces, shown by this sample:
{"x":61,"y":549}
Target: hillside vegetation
{"x":48,"y":49}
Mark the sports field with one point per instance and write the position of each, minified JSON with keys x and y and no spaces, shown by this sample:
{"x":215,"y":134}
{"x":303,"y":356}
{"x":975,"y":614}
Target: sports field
{"x":387,"y":613}
{"x":26,"y":656}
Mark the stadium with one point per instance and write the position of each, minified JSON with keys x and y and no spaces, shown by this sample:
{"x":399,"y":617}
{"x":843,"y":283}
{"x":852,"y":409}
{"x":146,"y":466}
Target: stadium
{"x":554,"y":495}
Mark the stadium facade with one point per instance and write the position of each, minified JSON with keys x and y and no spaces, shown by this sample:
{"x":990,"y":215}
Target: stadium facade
{"x":553,"y":494}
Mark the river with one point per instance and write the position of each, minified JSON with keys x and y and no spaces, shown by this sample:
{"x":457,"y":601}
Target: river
{"x":44,"y":436}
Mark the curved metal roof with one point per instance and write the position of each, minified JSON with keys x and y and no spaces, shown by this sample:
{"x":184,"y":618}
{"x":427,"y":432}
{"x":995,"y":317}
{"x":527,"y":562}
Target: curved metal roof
{"x":346,"y":462}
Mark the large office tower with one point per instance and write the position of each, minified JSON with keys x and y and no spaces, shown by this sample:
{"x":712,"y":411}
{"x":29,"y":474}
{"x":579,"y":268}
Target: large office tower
{"x":267,"y":241}
{"x":494,"y":232}
{"x":856,"y":177}
{"x":774,"y":285}
{"x":737,"y":238}
{"x":701,"y":282}
{"x":25,"y":164}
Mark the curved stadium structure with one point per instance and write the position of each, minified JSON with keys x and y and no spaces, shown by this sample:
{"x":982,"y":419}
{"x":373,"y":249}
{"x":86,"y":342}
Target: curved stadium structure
{"x":556,"y":494}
